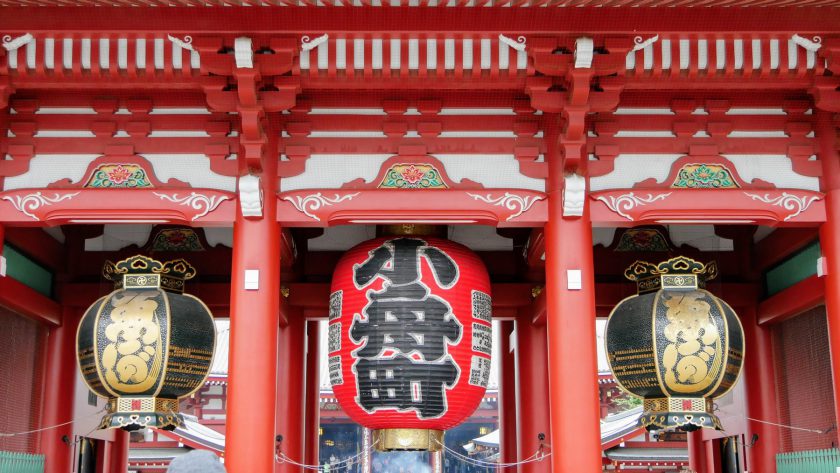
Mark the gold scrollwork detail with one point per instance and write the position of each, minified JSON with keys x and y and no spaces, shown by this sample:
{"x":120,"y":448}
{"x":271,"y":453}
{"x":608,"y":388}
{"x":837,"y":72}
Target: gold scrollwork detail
{"x":133,"y":358}
{"x":693,"y":357}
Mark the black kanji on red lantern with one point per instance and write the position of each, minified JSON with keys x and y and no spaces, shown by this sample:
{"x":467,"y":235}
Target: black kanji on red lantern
{"x":405,"y":330}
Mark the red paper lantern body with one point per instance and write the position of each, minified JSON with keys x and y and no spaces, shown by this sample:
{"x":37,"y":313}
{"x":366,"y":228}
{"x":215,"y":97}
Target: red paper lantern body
{"x":410,"y":333}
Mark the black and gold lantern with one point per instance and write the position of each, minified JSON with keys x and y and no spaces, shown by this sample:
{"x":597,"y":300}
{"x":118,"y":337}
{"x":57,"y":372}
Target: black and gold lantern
{"x":146,"y":344}
{"x":674,"y":344}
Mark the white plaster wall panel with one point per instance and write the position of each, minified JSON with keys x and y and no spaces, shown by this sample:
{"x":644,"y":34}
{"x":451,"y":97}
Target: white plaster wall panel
{"x":630,"y":169}
{"x":776,"y":169}
{"x":480,"y":238}
{"x":214,"y":403}
{"x":761,"y":232}
{"x":330,"y":171}
{"x":603,"y":236}
{"x":491,"y":171}
{"x":190,"y":168}
{"x":701,"y":237}
{"x":116,"y":237}
{"x":47,"y":168}
{"x":54,"y":232}
{"x":342,"y":237}
{"x":216,"y":236}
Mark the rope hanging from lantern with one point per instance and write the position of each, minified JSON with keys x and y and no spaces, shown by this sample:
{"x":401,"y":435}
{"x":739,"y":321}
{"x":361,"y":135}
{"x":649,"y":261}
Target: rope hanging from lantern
{"x":538,"y":456}
{"x":337,"y":466}
{"x":2,"y":434}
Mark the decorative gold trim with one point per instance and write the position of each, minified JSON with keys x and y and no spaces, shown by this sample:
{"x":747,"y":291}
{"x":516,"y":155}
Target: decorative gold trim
{"x":142,"y":272}
{"x":607,"y":351}
{"x":677,"y":404}
{"x":96,"y":357}
{"x":743,"y":350}
{"x":212,"y":353}
{"x":167,"y":345}
{"x":387,"y":440}
{"x":656,"y":357}
{"x":135,"y":412}
{"x":680,"y":272}
{"x":412,"y":229}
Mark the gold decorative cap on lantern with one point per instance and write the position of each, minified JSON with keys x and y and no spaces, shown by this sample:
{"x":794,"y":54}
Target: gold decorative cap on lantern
{"x":389,"y":440}
{"x":680,"y":273}
{"x":142,"y":272}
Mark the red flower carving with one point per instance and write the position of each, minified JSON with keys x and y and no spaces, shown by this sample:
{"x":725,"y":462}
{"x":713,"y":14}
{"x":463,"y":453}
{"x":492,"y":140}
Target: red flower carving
{"x":119,"y":175}
{"x":412,"y":175}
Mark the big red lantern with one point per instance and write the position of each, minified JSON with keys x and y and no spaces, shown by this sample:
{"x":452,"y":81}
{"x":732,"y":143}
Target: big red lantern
{"x":409,"y":338}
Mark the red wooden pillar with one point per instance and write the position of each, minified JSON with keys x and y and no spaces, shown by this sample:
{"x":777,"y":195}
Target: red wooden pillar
{"x":291,"y":387}
{"x":59,"y":394}
{"x":697,"y":452}
{"x":507,"y":393}
{"x":826,"y":134}
{"x":532,"y":393}
{"x":118,"y":456}
{"x":572,"y":352}
{"x":313,"y":393}
{"x":255,"y":314}
{"x":760,"y":379}
{"x":713,"y":460}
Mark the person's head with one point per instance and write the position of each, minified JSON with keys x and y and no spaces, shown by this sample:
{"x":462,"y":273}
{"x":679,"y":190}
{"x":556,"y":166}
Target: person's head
{"x":197,"y":461}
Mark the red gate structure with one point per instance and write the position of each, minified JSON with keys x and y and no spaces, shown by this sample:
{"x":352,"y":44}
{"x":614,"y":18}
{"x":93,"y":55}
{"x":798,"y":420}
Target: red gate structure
{"x":559,"y":140}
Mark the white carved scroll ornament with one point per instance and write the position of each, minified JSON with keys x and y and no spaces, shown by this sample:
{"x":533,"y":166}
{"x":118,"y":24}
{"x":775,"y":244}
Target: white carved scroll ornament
{"x":10,"y":44}
{"x":584,"y":52}
{"x":626,"y":202}
{"x":517,"y":44}
{"x":795,"y":204}
{"x":812,"y":45}
{"x":313,"y":202}
{"x":28,"y":203}
{"x":202,"y":203}
{"x":250,"y":196}
{"x":513,"y":202}
{"x":308,"y":44}
{"x":185,"y":43}
{"x":574,"y":195}
{"x":640,"y":43}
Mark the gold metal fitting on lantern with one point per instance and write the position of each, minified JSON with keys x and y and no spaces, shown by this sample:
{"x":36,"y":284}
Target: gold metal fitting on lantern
{"x":387,"y":440}
{"x":412,"y":229}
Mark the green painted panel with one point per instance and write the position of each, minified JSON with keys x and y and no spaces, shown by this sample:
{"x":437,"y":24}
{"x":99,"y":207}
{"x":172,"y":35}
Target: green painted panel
{"x":12,"y":462}
{"x":798,"y":267}
{"x":813,"y":461}
{"x":23,"y":269}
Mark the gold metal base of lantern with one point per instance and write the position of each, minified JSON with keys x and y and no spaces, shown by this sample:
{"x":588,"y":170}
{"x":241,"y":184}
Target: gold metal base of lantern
{"x":135,"y":413}
{"x":387,"y":440}
{"x":687,"y":414}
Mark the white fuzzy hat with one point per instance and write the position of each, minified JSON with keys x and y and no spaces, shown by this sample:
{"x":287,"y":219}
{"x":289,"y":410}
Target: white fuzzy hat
{"x":197,"y":461}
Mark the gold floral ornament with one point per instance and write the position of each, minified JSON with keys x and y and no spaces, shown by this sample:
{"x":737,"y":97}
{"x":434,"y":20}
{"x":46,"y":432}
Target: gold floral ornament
{"x":674,"y":344}
{"x":146,"y":345}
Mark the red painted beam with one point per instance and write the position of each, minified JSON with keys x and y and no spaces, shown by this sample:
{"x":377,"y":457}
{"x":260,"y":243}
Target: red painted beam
{"x":20,"y":298}
{"x":525,"y":21}
{"x":792,"y":301}
{"x":780,"y":244}
{"x":608,"y":295}
{"x":38,"y":245}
